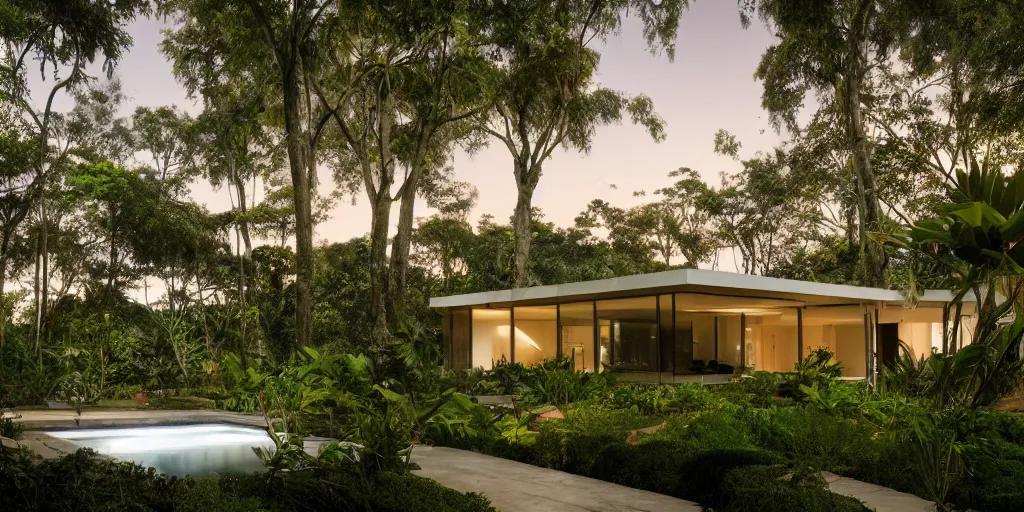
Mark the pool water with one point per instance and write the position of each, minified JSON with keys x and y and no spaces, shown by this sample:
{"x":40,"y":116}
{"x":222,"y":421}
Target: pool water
{"x":195,"y":450}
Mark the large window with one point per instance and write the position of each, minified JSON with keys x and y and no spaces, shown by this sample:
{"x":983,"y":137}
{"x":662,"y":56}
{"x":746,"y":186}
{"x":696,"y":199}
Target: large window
{"x":774,"y":339}
{"x":492,"y":339}
{"x":839,"y":329}
{"x":536,"y":334}
{"x":696,"y":343}
{"x":578,"y":334}
{"x":632,"y":329}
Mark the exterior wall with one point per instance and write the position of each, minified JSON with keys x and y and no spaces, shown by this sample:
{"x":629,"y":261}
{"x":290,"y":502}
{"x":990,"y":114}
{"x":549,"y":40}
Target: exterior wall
{"x":461,"y":340}
{"x":921,"y":337}
{"x":784,"y":341}
{"x":850,"y":349}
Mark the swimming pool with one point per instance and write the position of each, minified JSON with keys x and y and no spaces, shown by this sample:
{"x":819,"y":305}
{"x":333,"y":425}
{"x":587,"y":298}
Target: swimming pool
{"x":195,"y":450}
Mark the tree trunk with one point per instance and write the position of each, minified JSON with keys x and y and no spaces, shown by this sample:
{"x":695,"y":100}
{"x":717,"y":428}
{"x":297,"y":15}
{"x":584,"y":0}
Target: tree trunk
{"x":402,"y":245}
{"x":298,"y":158}
{"x":3,"y":301}
{"x":870,"y":212}
{"x":113,"y":259}
{"x":379,"y":277}
{"x":243,"y":208}
{"x":850,"y":213}
{"x":522,"y":224}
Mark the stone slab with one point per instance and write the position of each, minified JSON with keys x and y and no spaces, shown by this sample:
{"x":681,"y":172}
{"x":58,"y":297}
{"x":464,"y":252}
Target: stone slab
{"x":517,"y":487}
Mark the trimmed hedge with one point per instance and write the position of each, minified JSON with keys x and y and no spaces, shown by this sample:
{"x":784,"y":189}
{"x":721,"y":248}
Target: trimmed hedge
{"x":771,"y":489}
{"x":673,"y":468}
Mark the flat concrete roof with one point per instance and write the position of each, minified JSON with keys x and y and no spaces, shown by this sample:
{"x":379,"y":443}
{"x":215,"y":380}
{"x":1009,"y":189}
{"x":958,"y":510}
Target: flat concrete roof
{"x":689,"y":280}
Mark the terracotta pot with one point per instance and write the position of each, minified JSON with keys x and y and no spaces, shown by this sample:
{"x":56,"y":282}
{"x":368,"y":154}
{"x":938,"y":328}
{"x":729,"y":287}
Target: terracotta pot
{"x":141,"y":397}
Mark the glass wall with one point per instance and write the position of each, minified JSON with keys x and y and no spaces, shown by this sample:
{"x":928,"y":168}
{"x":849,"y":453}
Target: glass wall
{"x":772,"y":334}
{"x":536,"y":334}
{"x":578,"y":334}
{"x":632,"y":332}
{"x":666,"y":331}
{"x":684,"y":333}
{"x":605,"y":334}
{"x":696,"y":343}
{"x":711,"y":331}
{"x":492,"y":339}
{"x":730,"y":340}
{"x":840,"y":329}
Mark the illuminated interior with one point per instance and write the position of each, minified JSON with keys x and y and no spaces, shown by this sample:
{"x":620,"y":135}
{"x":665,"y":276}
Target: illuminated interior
{"x":688,"y":334}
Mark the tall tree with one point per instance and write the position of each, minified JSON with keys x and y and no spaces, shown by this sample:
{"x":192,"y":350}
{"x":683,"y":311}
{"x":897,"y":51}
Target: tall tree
{"x":169,"y":137}
{"x":543,"y":87}
{"x":62,"y":36}
{"x":236,"y":148}
{"x":290,"y":46}
{"x":16,"y":178}
{"x":683,"y":216}
{"x":833,"y":48}
{"x":412,"y":72}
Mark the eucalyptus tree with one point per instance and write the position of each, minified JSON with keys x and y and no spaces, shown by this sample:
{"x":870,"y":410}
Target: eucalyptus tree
{"x":767,"y":212}
{"x":235,"y":148}
{"x":683,"y":214}
{"x":543,"y":85}
{"x":289,"y":47}
{"x":976,"y":45}
{"x":60,"y":37}
{"x":168,"y":135}
{"x":16,"y":177}
{"x":834,"y":48}
{"x":412,"y":73}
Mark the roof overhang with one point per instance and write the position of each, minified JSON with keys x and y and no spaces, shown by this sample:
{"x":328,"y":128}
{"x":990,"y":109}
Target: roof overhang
{"x":693,"y":281}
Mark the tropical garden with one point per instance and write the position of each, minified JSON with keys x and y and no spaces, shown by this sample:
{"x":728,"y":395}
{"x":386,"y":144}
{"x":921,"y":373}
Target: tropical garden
{"x":900,"y":168}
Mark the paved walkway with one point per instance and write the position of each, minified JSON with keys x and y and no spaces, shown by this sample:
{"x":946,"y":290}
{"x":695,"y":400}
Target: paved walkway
{"x":876,"y":497}
{"x":60,"y":419}
{"x":517,"y":487}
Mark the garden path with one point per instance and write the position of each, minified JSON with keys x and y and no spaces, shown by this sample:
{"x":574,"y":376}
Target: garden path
{"x":517,"y":487}
{"x":876,"y":497}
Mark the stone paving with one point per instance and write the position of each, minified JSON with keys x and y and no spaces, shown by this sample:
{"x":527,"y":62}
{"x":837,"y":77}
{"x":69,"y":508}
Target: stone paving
{"x":517,"y":487}
{"x":876,"y":497}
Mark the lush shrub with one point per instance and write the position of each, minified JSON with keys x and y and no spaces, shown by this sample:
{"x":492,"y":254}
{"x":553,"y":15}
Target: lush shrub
{"x":688,"y":398}
{"x":813,"y":438}
{"x":639,"y":398}
{"x":996,"y":478}
{"x":9,"y":428}
{"x":767,"y":489}
{"x":81,"y":481}
{"x":673,"y":468}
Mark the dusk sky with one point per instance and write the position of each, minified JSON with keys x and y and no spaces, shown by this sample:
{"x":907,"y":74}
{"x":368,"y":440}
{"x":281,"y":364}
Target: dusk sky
{"x":710,"y":85}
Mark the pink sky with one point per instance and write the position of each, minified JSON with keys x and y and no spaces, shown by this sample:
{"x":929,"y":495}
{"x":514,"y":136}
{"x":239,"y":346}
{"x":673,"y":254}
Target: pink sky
{"x":710,"y":85}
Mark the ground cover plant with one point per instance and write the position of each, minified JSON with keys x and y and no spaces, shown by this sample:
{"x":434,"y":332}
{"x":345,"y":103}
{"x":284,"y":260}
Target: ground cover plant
{"x":761,"y":441}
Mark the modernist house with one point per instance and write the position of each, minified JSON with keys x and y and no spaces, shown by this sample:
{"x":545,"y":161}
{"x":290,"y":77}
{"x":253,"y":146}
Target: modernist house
{"x":670,"y":326}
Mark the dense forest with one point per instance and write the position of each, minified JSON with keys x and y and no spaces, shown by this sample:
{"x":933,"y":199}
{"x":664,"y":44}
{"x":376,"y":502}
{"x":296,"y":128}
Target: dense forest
{"x":102,"y":245}
{"x":899,"y":168}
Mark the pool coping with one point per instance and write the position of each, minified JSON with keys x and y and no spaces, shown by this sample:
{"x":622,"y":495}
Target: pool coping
{"x":37,"y":422}
{"x":54,"y":419}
